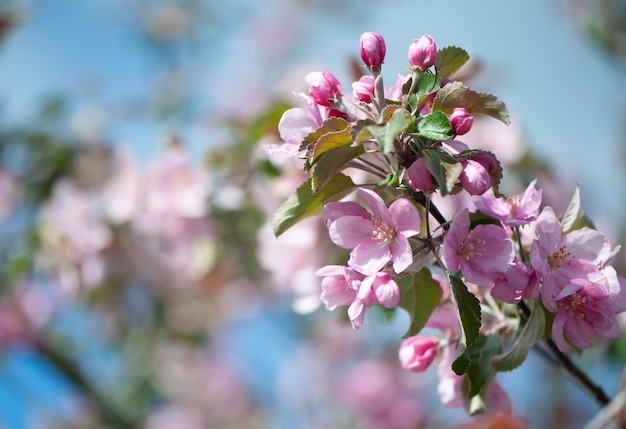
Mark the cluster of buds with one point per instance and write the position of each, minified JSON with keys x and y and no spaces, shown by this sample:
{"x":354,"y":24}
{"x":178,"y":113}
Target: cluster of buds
{"x":459,"y":275}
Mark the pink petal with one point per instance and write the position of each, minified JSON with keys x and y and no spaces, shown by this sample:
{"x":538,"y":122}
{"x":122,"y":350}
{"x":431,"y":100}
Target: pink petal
{"x":405,"y":216}
{"x":376,"y":203}
{"x":349,"y":231}
{"x":369,"y":257}
{"x":333,"y":211}
{"x":401,"y":254}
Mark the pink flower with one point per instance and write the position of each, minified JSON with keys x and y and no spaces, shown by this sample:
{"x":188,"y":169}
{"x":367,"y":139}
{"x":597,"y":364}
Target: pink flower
{"x":294,"y":125}
{"x":337,"y":290}
{"x":461,"y":121}
{"x":346,"y":286}
{"x":363,"y":89}
{"x":478,"y":253}
{"x":519,"y":209}
{"x":516,"y":283}
{"x":422,"y":52}
{"x":558,"y":260}
{"x":584,"y":310}
{"x":372,"y":49}
{"x":376,"y":238}
{"x":420,"y":178}
{"x":324,"y":87}
{"x":417,"y":353}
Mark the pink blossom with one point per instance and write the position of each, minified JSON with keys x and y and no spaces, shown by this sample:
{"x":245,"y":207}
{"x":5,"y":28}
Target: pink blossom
{"x":479,"y":252}
{"x":558,"y":260}
{"x":417,"y":353}
{"x":295,"y":124}
{"x":376,"y":238}
{"x":461,"y":121}
{"x":584,"y":309}
{"x":324,"y":87}
{"x":422,"y":52}
{"x":363,"y":89}
{"x":337,"y":290}
{"x":420,"y":178}
{"x":519,"y":209}
{"x":517,"y":282}
{"x":372,"y":49}
{"x":346,"y":286}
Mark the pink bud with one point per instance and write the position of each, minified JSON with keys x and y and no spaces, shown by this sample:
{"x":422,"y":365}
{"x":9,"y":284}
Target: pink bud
{"x":363,"y":89}
{"x":461,"y":120}
{"x":420,"y":178}
{"x":475,"y":177}
{"x":422,"y":52}
{"x":417,"y":353}
{"x":324,"y":87}
{"x":373,"y":49}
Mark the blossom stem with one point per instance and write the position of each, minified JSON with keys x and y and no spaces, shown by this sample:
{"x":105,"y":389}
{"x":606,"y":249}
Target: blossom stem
{"x":575,"y":372}
{"x":365,"y":167}
{"x":518,"y":237}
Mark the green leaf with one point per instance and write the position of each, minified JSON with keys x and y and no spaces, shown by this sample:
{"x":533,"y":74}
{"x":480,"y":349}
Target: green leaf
{"x":435,"y":126}
{"x":457,"y":94}
{"x":573,"y":212}
{"x":330,"y":125}
{"x":480,"y":368}
{"x":420,"y":294}
{"x":531,"y":333}
{"x":398,"y":121}
{"x":450,"y":59}
{"x":330,"y":163}
{"x":328,"y":141}
{"x":304,"y":202}
{"x":444,"y":168}
{"x":469,"y":318}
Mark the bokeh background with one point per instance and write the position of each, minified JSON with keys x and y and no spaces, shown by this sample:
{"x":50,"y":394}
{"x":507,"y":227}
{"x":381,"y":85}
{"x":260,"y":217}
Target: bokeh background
{"x":140,"y":286}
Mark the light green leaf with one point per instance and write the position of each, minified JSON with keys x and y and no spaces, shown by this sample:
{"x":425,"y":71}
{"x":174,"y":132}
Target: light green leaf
{"x":385,"y":134}
{"x":573,"y":212}
{"x":304,"y":202}
{"x":532,"y":332}
{"x":329,"y":141}
{"x":450,"y":59}
{"x":469,"y":319}
{"x":420,"y":294}
{"x":435,"y":126}
{"x":457,"y":94}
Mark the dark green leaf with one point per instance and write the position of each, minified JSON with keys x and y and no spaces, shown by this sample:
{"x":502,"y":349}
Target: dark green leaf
{"x":456,"y":94}
{"x":420,"y":294}
{"x":445,"y":169}
{"x":450,"y":59}
{"x":304,"y":202}
{"x":480,"y":356}
{"x":332,"y":162}
{"x":469,"y":318}
{"x":533,"y":331}
{"x":435,"y":126}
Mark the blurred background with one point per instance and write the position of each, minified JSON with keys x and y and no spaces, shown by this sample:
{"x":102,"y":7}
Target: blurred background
{"x":140,"y":283}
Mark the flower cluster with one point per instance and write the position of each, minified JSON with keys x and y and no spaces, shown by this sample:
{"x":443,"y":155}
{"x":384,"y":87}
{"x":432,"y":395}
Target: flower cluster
{"x":492,"y":253}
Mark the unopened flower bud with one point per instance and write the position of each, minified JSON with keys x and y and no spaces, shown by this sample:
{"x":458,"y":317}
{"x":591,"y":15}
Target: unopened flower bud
{"x":420,"y":178}
{"x":324,"y":87}
{"x":417,"y":353}
{"x":363,"y":89}
{"x":373,"y":49}
{"x":422,"y":52}
{"x":461,"y":120}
